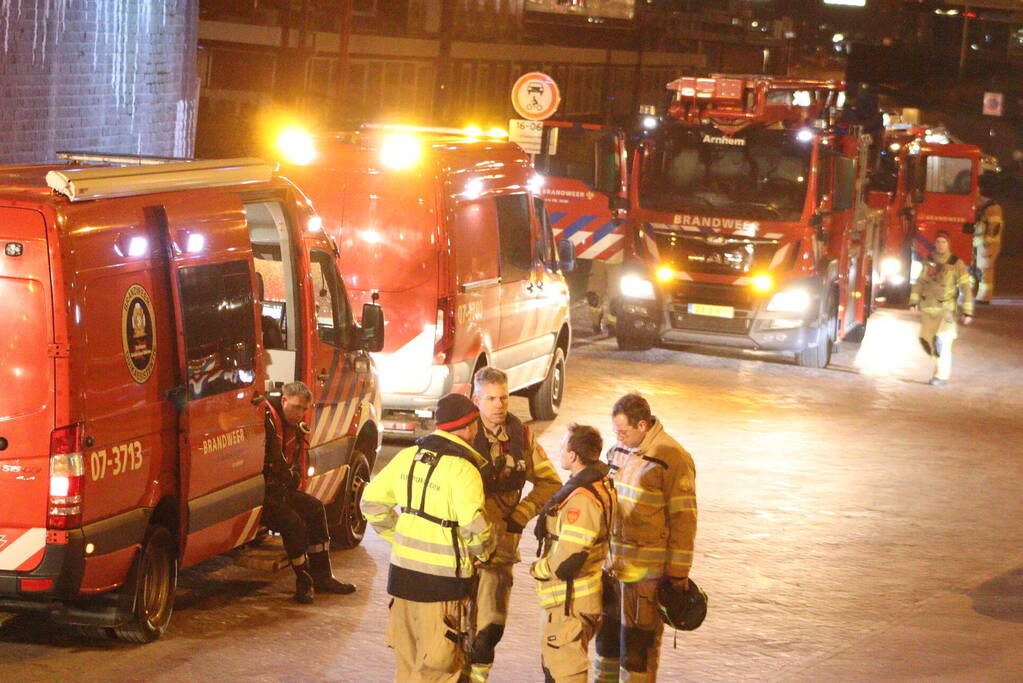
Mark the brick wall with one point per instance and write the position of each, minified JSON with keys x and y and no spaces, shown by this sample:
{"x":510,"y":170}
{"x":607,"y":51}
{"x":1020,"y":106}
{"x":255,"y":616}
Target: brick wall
{"x":97,"y":75}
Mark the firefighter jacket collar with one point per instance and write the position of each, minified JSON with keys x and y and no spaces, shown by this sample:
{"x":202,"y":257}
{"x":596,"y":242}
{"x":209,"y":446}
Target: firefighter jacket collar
{"x":494,"y":432}
{"x":470,"y":454}
{"x":589,"y":475}
{"x":652,"y":434}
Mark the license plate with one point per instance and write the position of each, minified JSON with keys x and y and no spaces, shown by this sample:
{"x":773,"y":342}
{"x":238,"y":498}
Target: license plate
{"x":713,"y":311}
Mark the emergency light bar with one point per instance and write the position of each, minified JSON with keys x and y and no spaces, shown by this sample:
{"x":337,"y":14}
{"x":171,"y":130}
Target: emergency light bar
{"x":471,"y":132}
{"x":82,"y":184}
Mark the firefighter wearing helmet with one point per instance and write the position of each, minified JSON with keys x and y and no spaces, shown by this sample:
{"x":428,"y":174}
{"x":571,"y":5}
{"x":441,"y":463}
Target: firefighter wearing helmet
{"x":987,"y":240}
{"x":297,"y":516}
{"x":513,"y":458}
{"x":428,"y":504}
{"x":943,"y":279}
{"x":652,"y":540}
{"x":573,"y":533}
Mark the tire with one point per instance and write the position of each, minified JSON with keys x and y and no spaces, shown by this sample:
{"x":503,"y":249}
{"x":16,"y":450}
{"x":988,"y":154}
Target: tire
{"x":92,"y":632}
{"x":351,"y":525}
{"x":545,"y":402}
{"x":155,"y":576}
{"x":827,"y":330}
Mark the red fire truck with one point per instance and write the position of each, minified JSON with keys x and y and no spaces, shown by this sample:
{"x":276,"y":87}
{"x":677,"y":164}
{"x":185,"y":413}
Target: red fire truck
{"x":746,"y":225}
{"x":450,"y":229}
{"x":925,"y":181}
{"x":147,"y":312}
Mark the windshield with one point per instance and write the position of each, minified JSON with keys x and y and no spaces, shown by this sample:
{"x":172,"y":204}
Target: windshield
{"x":715,"y":254}
{"x":757,"y":174}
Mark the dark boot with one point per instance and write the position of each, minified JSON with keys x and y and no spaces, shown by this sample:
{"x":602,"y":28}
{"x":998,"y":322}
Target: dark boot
{"x":304,"y":590}
{"x":323,"y":578}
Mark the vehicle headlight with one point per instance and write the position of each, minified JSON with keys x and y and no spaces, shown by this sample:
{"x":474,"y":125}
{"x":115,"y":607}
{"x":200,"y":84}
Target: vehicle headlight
{"x":891,"y":266}
{"x":636,"y":287}
{"x":789,"y":301}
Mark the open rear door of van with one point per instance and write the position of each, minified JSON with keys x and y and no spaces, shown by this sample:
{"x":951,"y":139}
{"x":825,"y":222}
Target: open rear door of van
{"x":27,"y":378}
{"x":222,"y":435}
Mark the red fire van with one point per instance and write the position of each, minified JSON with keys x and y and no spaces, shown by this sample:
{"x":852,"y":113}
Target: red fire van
{"x":147,"y":311}
{"x":451,"y":230}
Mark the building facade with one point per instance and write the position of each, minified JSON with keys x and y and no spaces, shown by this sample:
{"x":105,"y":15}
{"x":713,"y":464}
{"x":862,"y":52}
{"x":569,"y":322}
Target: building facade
{"x":453,"y":62}
{"x":110,"y":75}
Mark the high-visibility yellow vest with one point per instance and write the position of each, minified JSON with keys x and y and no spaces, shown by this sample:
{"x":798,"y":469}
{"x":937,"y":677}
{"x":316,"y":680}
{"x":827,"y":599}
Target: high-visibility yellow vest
{"x":428,"y":503}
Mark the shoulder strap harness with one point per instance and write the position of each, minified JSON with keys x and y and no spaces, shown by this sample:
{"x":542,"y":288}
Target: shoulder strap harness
{"x":431,"y":449}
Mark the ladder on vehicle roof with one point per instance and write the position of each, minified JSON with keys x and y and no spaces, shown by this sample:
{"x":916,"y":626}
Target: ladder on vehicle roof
{"x":100,"y":182}
{"x":118,"y":158}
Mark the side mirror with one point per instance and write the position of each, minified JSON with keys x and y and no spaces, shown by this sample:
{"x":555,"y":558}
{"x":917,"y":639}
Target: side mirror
{"x":372,"y":327}
{"x":566,"y":255}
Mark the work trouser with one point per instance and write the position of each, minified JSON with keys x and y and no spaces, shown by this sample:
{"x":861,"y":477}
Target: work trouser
{"x":986,"y":257}
{"x":425,"y":639}
{"x":937,"y":332}
{"x":492,"y":596}
{"x":564,"y":645}
{"x":300,"y":520}
{"x":629,"y":639}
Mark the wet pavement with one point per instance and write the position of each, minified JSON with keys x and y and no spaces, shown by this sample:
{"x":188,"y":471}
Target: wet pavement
{"x":855,"y":524}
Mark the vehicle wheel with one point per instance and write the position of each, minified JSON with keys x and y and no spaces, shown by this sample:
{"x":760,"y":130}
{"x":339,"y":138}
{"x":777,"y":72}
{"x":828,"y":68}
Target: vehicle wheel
{"x":351,"y":525}
{"x":545,"y":402}
{"x":820,"y":355}
{"x":92,"y":632}
{"x":155,"y":577}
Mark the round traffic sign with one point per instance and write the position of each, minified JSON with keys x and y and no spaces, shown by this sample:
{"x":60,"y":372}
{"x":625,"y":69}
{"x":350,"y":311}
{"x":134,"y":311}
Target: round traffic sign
{"x":535,"y":96}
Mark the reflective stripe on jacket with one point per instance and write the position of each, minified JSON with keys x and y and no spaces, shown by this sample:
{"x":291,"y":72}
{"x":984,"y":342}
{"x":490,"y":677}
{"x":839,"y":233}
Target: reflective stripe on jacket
{"x":569,"y":573}
{"x":502,"y":505}
{"x":655,"y":529}
{"x":940,"y":284}
{"x":428,"y":504}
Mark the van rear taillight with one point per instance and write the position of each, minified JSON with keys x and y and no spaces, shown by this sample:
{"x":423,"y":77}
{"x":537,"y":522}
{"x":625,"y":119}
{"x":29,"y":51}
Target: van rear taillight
{"x":67,"y":469}
{"x":444,"y":332}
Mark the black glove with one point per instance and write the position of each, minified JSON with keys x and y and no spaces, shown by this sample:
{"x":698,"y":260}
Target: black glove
{"x":513,"y":526}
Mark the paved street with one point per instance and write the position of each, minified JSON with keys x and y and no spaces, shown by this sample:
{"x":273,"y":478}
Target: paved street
{"x":855,"y":524}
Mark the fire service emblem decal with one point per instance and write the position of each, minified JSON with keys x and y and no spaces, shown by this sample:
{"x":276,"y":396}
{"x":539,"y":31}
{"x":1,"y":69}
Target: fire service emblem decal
{"x":138,"y":333}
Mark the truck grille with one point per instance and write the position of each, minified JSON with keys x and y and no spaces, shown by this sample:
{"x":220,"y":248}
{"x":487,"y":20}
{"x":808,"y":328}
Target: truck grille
{"x":738,"y":297}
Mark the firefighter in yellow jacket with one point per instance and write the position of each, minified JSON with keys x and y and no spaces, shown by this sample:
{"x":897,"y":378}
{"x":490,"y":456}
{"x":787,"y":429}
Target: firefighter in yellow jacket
{"x":987,"y":244}
{"x":573,"y":533}
{"x":651,"y":539}
{"x":513,"y":458}
{"x":438,"y":532}
{"x":943,"y":279}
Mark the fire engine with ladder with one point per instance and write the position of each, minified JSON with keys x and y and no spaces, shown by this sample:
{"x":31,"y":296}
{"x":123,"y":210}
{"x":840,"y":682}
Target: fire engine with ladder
{"x":738,"y":220}
{"x":925,"y":180}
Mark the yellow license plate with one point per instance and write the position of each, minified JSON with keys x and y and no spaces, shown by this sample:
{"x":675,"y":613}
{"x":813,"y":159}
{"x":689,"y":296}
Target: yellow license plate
{"x":713,"y":311}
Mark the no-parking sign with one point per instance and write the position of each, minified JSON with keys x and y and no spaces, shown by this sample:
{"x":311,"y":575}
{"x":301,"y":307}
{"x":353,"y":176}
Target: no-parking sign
{"x":993,"y":103}
{"x":535,"y":96}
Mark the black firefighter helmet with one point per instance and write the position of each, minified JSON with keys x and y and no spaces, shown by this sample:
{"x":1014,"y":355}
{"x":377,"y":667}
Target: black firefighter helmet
{"x":681,"y":608}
